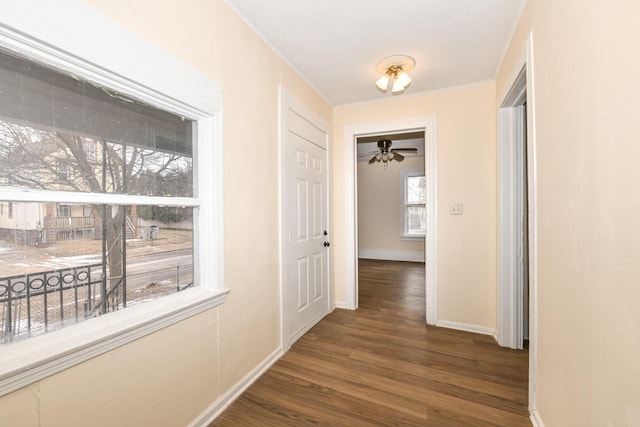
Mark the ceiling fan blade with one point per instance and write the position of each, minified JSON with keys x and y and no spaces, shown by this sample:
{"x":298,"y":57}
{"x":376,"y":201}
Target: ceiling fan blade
{"x":397,"y":156}
{"x":374,"y":158}
{"x":368,"y":153}
{"x":404,"y":149}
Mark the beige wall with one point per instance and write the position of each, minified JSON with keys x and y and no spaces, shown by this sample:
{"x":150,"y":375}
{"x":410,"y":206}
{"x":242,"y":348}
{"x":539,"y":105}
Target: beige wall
{"x":587,"y":127}
{"x":169,"y":378}
{"x":466,"y":174}
{"x":164,"y":379}
{"x":379,"y":200}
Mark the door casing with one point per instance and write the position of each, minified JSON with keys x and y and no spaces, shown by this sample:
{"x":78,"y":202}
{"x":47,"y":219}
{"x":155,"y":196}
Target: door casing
{"x":521,"y":80}
{"x":428,"y":124}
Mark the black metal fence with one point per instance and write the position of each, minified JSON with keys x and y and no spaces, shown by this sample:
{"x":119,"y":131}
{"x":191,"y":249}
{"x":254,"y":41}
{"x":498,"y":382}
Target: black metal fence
{"x":40,"y":302}
{"x":35,"y":303}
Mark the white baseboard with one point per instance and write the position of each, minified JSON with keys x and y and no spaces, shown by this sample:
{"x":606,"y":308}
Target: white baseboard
{"x":339,"y":304}
{"x":216,"y":408}
{"x":468,"y":327}
{"x":383,"y":254}
{"x":535,"y":419}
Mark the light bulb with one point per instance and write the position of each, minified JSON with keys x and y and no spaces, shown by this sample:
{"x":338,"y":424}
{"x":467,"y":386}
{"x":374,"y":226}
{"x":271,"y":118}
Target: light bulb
{"x":390,"y":155}
{"x":379,"y":156}
{"x":385,"y":157}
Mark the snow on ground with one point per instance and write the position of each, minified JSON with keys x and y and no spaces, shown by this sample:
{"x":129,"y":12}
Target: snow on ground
{"x":55,"y":263}
{"x":78,"y":257}
{"x":50,"y":263}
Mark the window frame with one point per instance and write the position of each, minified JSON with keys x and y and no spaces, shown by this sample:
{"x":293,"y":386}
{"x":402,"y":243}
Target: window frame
{"x":405,"y":174}
{"x":63,"y":171}
{"x":72,"y":37}
{"x":63,"y":210}
{"x":90,"y":150}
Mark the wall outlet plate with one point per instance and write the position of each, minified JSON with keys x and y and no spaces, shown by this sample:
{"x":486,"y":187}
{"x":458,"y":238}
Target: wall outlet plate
{"x":455,"y":209}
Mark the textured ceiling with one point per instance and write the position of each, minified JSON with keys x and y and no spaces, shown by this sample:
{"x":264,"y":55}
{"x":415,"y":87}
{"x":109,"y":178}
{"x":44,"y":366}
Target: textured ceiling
{"x":336,"y":44}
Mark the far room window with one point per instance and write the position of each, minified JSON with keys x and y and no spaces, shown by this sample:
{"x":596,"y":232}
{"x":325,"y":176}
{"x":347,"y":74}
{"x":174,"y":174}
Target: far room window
{"x":76,"y":144}
{"x":414,"y":212}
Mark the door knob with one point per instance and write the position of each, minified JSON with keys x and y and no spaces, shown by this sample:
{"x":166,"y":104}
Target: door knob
{"x":327,"y":244}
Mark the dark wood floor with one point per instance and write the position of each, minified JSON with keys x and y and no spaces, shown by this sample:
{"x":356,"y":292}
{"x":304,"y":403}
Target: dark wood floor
{"x":381,"y":365}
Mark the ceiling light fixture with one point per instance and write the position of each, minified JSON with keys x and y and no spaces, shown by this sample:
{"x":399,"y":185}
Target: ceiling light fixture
{"x":393,"y":71}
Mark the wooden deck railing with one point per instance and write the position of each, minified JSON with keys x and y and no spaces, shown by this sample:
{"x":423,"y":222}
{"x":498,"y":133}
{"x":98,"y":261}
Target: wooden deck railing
{"x":74,"y":222}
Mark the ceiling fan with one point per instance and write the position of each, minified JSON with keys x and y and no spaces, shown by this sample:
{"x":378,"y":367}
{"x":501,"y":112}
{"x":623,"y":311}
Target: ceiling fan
{"x":385,"y":153}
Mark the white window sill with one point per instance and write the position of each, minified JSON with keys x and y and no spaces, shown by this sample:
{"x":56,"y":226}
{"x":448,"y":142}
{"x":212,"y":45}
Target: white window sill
{"x":411,"y":237}
{"x":25,"y":362}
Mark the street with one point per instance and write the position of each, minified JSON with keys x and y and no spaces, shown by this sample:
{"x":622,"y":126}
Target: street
{"x":159,"y":268}
{"x":142,"y":270}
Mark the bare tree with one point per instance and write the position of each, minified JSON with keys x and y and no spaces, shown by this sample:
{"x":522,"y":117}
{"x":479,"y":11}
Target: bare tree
{"x":56,"y":160}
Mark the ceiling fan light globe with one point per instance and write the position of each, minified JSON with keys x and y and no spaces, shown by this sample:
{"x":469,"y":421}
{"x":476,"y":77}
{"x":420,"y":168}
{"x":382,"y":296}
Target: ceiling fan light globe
{"x":403,"y":79}
{"x":397,"y":87}
{"x":390,"y":155}
{"x":383,"y":83}
{"x":379,"y":156}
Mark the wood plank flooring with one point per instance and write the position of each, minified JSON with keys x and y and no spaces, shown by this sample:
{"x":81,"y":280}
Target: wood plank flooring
{"x":381,"y":365}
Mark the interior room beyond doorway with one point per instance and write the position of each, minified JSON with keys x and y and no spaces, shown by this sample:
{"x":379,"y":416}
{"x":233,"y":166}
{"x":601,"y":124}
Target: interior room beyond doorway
{"x":391,"y":200}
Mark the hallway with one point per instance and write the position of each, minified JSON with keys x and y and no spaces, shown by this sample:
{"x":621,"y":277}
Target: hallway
{"x":381,"y":365}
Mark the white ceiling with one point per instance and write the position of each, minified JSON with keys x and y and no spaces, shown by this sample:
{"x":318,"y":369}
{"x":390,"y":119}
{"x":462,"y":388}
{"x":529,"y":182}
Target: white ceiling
{"x":336,"y":44}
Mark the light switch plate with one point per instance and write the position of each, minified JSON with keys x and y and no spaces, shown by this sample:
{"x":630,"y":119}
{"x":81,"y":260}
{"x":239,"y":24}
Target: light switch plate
{"x":455,"y":209}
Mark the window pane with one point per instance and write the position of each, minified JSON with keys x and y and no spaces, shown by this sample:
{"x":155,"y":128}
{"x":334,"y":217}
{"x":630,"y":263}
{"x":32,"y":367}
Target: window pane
{"x":416,"y":190}
{"x":60,"y":133}
{"x":416,"y":220}
{"x":64,"y":262}
{"x":59,"y":270}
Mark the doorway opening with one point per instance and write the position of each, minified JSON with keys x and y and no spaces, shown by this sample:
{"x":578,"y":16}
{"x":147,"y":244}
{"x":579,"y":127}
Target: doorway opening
{"x":514,"y":217}
{"x":517,"y":216}
{"x":371,"y":132}
{"x":391,"y":206}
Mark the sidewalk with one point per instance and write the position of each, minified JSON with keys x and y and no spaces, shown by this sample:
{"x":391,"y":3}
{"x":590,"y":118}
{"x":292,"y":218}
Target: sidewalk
{"x":16,"y":259}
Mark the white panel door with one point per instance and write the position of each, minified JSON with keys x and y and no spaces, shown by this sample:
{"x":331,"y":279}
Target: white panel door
{"x":305,"y":239}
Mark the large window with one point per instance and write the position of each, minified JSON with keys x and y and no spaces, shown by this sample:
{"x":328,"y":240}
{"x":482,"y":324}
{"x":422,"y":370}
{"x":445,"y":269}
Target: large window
{"x":414,"y":212}
{"x":140,"y":133}
{"x":69,"y":254}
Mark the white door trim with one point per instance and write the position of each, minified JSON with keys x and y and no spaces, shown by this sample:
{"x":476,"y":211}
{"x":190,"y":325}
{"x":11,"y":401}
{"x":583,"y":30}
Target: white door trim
{"x":507,"y":315}
{"x":429,"y":125}
{"x":288,"y":101}
{"x":511,"y":215}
